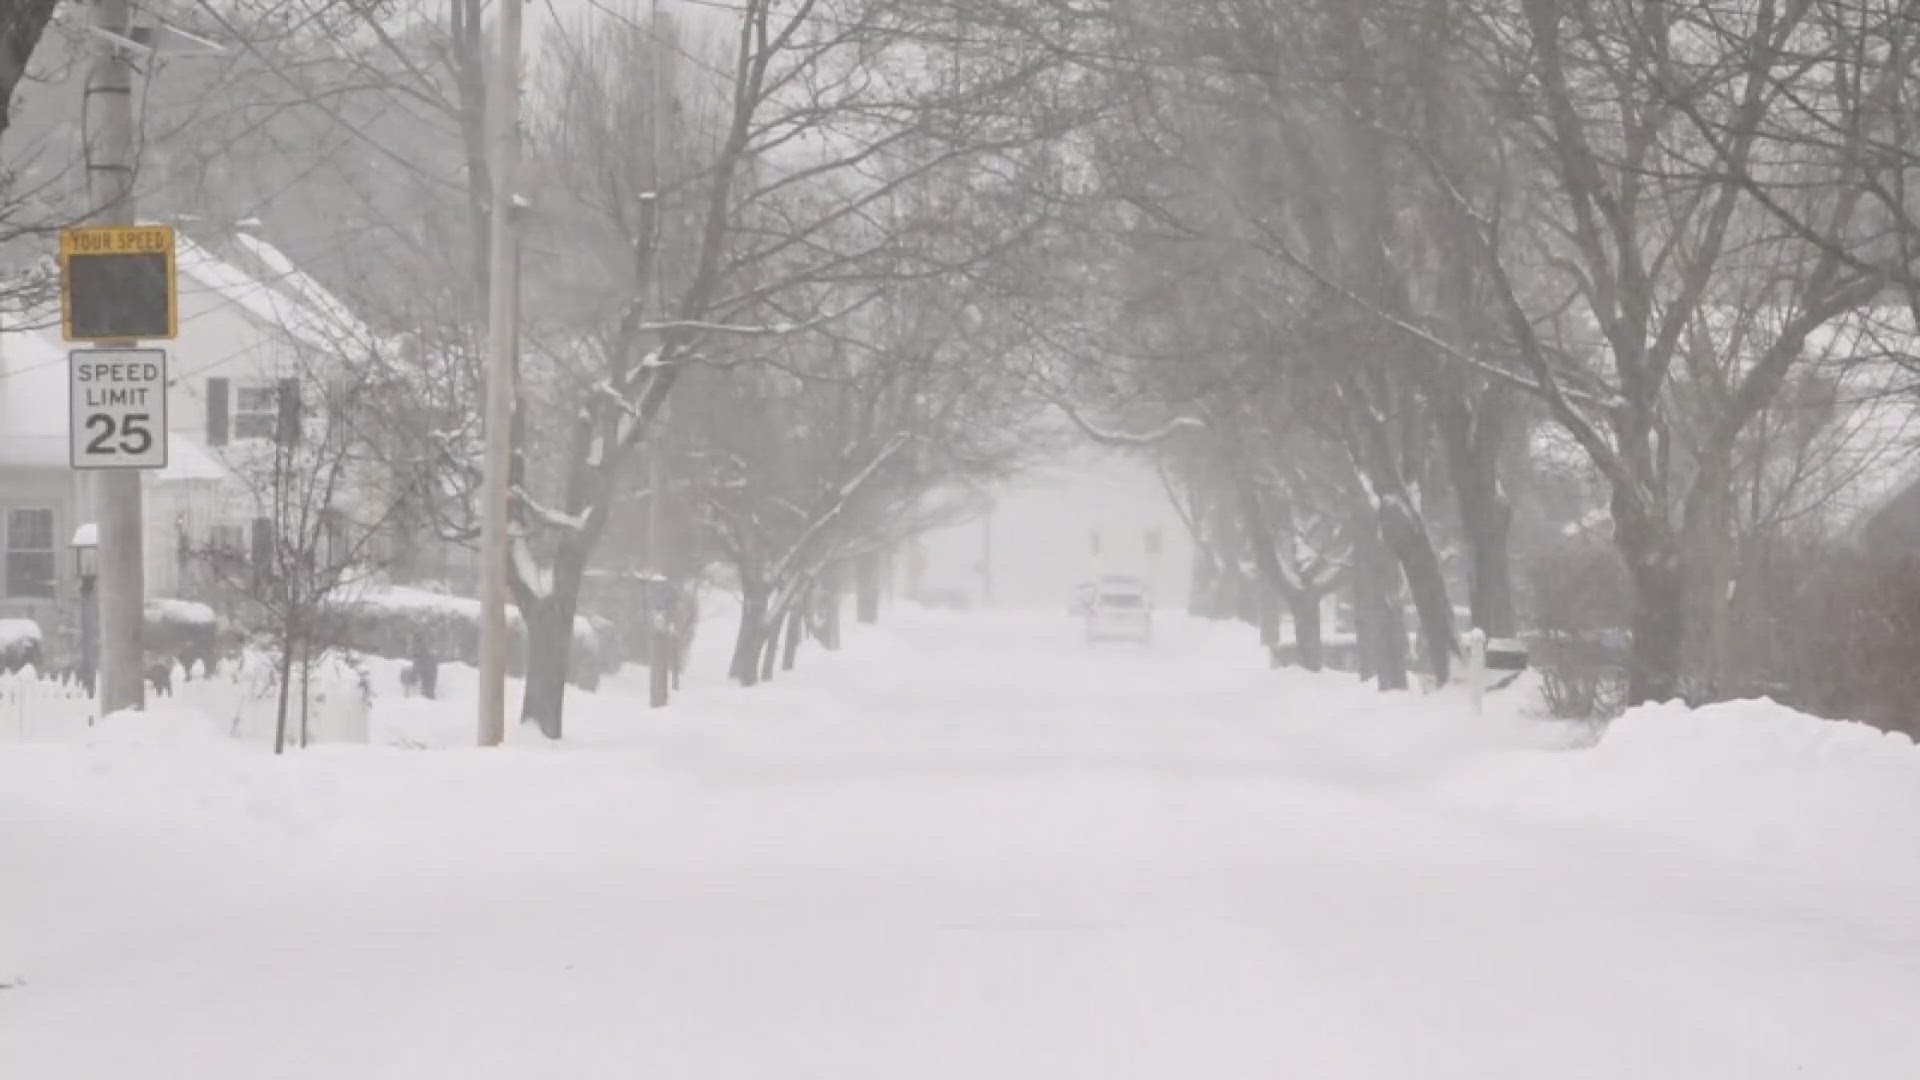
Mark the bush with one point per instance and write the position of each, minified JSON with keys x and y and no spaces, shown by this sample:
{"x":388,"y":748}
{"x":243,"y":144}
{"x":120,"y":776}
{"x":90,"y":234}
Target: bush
{"x":1582,"y":677}
{"x":402,"y":623}
{"x":19,"y":645}
{"x":1576,"y":644}
{"x":184,"y":630}
{"x":399,"y":623}
{"x":1851,"y":643}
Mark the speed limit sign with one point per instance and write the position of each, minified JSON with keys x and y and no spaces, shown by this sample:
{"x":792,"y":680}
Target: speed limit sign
{"x":117,"y":399}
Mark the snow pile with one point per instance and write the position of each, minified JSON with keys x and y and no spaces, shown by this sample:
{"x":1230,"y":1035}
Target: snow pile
{"x":19,"y":644}
{"x":1752,"y":782}
{"x":156,"y":729}
{"x":183,"y":612}
{"x":964,"y":846}
{"x":407,"y":599}
{"x":1756,"y":777}
{"x":17,"y":632}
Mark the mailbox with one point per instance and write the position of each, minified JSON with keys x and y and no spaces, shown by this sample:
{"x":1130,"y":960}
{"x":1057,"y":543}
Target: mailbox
{"x":1506,"y":654}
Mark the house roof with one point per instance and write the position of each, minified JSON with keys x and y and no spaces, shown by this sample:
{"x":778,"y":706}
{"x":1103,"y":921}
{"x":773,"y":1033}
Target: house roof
{"x":273,"y":293}
{"x":265,"y":285}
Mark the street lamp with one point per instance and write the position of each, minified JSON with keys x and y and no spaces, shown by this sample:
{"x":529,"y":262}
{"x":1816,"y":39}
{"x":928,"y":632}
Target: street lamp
{"x":86,"y":567}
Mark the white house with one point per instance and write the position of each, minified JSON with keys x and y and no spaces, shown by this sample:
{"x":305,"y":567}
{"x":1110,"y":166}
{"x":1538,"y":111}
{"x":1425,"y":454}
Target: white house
{"x":245,"y":313}
{"x":1095,"y":513}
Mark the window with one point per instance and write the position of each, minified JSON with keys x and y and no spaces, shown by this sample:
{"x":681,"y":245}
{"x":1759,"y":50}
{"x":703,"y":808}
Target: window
{"x":228,"y":540}
{"x":31,"y":569}
{"x":256,"y":410}
{"x":259,"y":409}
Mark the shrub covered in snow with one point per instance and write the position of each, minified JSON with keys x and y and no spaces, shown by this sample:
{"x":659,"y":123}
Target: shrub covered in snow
{"x":397,"y":622}
{"x":403,"y":623}
{"x":19,"y":644}
{"x":184,"y":630}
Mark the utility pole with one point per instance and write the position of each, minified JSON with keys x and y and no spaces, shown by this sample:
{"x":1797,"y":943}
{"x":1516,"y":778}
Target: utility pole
{"x":111,"y":148}
{"x":503,"y":114}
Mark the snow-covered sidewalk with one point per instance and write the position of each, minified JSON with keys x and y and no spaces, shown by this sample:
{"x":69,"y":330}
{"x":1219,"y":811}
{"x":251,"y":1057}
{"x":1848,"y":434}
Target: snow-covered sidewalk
{"x":968,"y":847}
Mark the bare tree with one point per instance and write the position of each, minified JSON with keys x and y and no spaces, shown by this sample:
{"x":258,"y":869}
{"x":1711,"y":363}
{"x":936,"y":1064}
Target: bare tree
{"x":21,"y":26}
{"x":324,"y":508}
{"x":1642,"y":221}
{"x":774,"y":222}
{"x":845,"y":446}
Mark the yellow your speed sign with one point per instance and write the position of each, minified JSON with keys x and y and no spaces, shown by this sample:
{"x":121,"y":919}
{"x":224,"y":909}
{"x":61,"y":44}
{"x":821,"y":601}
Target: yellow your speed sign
{"x":118,"y":283}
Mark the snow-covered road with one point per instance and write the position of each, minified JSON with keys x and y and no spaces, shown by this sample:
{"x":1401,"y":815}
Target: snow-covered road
{"x":966,"y":847}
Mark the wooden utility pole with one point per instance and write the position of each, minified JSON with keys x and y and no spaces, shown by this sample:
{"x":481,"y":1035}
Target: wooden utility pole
{"x":503,"y":114}
{"x":111,"y":149}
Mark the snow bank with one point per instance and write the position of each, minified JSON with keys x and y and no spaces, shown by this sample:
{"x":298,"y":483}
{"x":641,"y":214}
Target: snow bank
{"x":184,"y":612}
{"x":1752,"y":782}
{"x":1763,"y":779}
{"x":14,"y":632}
{"x":156,"y":729}
{"x":405,"y":598}
{"x":19,"y":645}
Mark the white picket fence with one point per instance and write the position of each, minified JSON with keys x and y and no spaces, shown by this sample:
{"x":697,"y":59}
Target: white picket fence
{"x":240,"y":698}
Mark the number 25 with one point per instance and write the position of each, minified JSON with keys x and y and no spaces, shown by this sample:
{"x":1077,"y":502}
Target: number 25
{"x":135,"y":436}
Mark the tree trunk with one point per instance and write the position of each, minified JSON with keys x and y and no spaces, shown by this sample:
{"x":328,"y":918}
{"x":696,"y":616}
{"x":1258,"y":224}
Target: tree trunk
{"x":1659,"y":624}
{"x":686,"y":628}
{"x":1304,"y":608}
{"x":306,"y":692}
{"x":1269,"y":601}
{"x":1377,"y":617}
{"x":20,"y":32}
{"x":287,"y":648}
{"x":549,"y":618}
{"x":1486,"y":520}
{"x":796,"y":626}
{"x":1707,"y":544}
{"x":830,"y":618}
{"x":426,"y":672}
{"x":1474,"y":419}
{"x":1490,"y":588}
{"x":1407,"y":536}
{"x":1393,"y":637}
{"x":549,"y":634}
{"x":549,"y":629}
{"x":745,"y":668}
{"x":1366,"y":631}
{"x":1200,"y":577}
{"x":770,"y":646}
{"x":866,"y":584}
{"x":663,"y":646}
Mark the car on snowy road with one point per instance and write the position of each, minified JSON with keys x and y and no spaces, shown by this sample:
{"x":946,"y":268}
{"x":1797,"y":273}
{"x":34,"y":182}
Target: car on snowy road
{"x":1119,"y":614}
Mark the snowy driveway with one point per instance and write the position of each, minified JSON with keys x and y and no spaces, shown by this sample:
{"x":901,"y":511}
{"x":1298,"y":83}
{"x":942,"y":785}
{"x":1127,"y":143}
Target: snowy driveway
{"x":964,"y":848}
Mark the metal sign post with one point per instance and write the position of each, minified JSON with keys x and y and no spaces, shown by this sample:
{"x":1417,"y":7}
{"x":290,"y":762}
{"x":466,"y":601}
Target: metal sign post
{"x":117,"y":402}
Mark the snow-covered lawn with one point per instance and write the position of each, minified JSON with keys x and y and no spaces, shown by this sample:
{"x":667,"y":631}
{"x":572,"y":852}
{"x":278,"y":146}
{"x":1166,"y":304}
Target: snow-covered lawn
{"x":968,"y":847}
